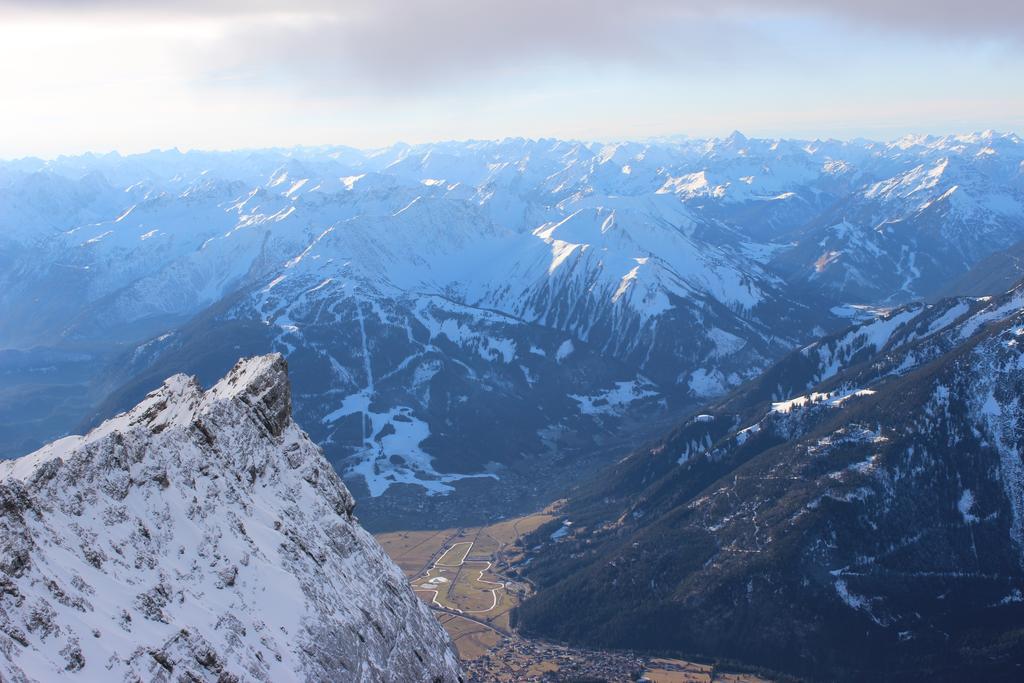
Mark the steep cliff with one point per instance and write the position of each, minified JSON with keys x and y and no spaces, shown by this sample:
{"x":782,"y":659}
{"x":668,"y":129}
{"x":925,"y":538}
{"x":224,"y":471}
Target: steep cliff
{"x":201,"y":536}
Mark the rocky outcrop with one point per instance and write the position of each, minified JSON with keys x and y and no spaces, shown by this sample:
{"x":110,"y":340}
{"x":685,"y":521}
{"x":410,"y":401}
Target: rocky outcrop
{"x":201,"y":536}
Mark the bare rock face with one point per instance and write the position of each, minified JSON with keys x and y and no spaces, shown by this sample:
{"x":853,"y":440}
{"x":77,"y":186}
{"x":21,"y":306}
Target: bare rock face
{"x":201,"y":536}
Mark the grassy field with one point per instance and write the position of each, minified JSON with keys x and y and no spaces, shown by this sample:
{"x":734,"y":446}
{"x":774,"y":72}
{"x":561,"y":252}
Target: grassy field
{"x":455,"y":555}
{"x":416,"y":551}
{"x":681,"y":671}
{"x":460,"y":570}
{"x":413,"y":551}
{"x":678,"y":671}
{"x":471,"y":639}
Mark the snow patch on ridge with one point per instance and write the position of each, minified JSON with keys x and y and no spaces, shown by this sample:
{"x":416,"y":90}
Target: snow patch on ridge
{"x":615,"y":400}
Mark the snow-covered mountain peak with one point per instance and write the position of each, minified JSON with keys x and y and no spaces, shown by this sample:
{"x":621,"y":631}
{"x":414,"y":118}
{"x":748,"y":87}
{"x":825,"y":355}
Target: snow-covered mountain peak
{"x":664,"y":258}
{"x":201,"y":536}
{"x":262,"y":384}
{"x":736,"y":138}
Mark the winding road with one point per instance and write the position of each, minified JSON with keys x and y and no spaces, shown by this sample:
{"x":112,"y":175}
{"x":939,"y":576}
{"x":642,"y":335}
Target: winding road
{"x":440,"y":564}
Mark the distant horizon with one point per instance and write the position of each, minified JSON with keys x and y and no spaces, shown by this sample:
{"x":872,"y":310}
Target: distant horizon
{"x":654,"y":139}
{"x":225,"y":74}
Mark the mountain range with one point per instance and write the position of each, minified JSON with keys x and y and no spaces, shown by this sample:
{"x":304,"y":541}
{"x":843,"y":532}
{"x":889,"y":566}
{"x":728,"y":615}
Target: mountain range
{"x":775,"y":384}
{"x":471,"y":325}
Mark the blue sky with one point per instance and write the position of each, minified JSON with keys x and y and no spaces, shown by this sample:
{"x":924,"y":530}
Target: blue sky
{"x":102,"y":75}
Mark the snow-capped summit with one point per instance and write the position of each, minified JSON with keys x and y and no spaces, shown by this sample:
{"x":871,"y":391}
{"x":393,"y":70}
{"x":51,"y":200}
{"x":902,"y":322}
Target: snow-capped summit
{"x":201,"y":536}
{"x":416,"y":282}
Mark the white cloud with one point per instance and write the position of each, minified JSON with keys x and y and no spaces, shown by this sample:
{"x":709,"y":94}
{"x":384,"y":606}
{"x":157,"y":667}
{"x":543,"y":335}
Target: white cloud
{"x":118,"y":74}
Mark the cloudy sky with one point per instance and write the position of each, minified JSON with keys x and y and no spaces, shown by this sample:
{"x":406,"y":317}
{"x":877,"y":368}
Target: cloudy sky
{"x":101,"y":75}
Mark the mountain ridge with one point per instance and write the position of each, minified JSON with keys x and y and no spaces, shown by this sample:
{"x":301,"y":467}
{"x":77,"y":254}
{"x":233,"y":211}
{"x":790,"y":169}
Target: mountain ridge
{"x":862,"y":521}
{"x":427,"y":288}
{"x":202,"y":534}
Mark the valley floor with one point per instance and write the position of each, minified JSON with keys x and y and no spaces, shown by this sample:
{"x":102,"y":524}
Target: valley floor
{"x":466,"y":575}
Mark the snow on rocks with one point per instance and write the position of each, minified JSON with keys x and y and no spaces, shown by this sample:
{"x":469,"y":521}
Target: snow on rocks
{"x":201,"y":536}
{"x":832,"y":399}
{"x":614,"y":401}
